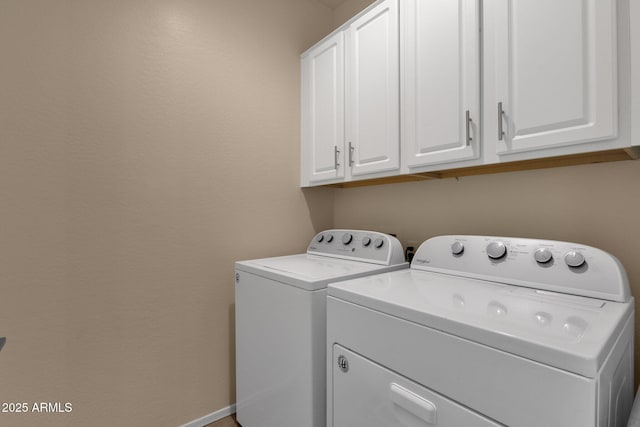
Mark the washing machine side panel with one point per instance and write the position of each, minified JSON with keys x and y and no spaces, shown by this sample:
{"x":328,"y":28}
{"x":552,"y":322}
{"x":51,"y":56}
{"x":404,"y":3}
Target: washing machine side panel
{"x":615,"y":384}
{"x":318,"y":318}
{"x":506,"y":388}
{"x":278,"y":330}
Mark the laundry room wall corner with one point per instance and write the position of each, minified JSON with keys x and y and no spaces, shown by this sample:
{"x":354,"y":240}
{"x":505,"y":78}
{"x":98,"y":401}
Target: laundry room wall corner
{"x":348,"y":9}
{"x":320,"y":204}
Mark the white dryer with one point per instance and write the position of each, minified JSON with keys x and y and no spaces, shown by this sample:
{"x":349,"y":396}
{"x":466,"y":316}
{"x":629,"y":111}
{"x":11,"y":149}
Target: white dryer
{"x":484,"y":331}
{"x":281,"y":324}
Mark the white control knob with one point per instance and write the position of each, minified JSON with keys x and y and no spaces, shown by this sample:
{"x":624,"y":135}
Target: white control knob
{"x":574,"y":259}
{"x":320,"y":238}
{"x":496,"y":250}
{"x":347,"y":238}
{"x":378,"y":243}
{"x":457,"y":248}
{"x":366,"y":241}
{"x":543,"y":255}
{"x":330,"y":238}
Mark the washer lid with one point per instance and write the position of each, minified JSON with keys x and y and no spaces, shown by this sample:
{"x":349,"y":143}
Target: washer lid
{"x":569,"y":332}
{"x":311,"y":272}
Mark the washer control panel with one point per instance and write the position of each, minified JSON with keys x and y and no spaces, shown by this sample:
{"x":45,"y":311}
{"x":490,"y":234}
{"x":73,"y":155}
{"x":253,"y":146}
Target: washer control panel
{"x":368,"y":246}
{"x":541,"y":264}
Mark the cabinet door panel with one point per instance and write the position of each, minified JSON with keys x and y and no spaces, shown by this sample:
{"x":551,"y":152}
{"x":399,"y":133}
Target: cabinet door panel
{"x":323,"y":110}
{"x":555,"y":72}
{"x":373,"y":96}
{"x":441,"y":80}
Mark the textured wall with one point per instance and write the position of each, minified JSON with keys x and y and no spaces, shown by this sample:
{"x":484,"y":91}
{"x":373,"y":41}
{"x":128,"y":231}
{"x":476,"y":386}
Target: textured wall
{"x":347,"y":9}
{"x":144,"y":147}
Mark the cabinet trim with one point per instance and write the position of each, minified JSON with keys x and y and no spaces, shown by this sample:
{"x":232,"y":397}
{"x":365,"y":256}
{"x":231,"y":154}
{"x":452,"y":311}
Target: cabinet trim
{"x":631,"y":153}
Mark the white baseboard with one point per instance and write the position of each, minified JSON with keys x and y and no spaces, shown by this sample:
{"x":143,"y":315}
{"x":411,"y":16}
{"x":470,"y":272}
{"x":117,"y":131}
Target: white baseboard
{"x":214,"y":416}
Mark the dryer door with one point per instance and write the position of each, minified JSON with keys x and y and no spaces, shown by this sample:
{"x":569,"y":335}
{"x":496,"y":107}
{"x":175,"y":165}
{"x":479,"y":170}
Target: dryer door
{"x":366,"y":394}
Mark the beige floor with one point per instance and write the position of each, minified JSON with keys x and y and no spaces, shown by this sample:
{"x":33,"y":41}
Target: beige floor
{"x":225,"y":422}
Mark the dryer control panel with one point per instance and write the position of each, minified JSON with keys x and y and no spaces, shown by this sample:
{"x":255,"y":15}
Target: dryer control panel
{"x":550,"y":265}
{"x":367,"y":246}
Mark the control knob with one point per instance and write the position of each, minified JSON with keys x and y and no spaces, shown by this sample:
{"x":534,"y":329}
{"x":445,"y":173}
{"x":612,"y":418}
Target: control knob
{"x":347,"y":238}
{"x":574,"y":259}
{"x":543,"y":255}
{"x":496,"y":250}
{"x":320,"y":238}
{"x":378,"y":243}
{"x":457,"y":248}
{"x":366,"y":241}
{"x":330,"y":238}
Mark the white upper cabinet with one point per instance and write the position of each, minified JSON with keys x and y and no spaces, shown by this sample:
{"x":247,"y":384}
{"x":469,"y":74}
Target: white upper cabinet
{"x":551,"y":73}
{"x":433,"y":86}
{"x":351,"y":100}
{"x":440,"y":54}
{"x":373,"y":116}
{"x":322,"y":148}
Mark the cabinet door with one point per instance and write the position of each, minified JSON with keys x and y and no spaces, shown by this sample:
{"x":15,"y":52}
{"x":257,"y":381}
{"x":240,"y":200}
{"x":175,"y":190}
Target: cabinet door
{"x":322,"y":147}
{"x":441,"y":81}
{"x":553,"y":65}
{"x":373,"y":130}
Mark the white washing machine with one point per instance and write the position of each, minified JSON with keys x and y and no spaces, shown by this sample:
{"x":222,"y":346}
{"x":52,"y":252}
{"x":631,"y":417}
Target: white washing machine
{"x":281,"y":324}
{"x":484,"y":331}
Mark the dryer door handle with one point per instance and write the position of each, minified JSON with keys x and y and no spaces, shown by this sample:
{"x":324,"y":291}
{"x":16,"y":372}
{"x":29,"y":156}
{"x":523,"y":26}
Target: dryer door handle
{"x":413,"y":403}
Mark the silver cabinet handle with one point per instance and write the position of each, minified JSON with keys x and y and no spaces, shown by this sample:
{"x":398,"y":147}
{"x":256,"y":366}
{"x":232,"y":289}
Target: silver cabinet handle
{"x":351,"y":148}
{"x":500,"y":118}
{"x":468,"y":127}
{"x":336,"y":153}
